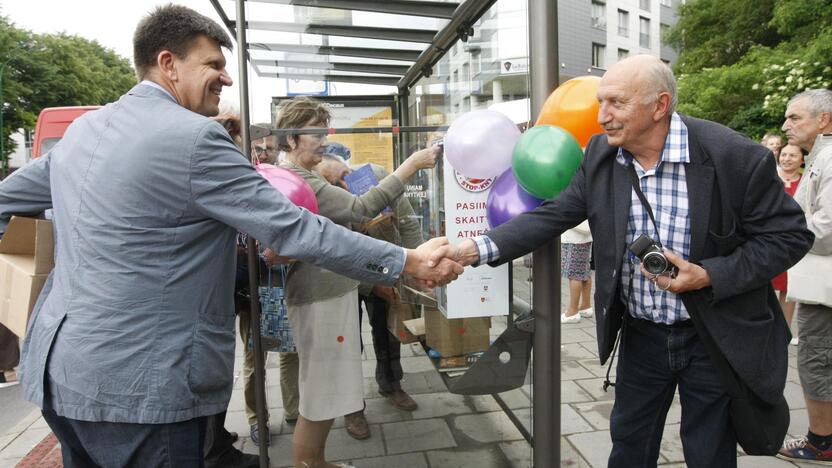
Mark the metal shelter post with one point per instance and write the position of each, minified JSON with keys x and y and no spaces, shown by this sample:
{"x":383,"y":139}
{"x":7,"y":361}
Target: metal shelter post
{"x":253,"y":263}
{"x":404,"y":120}
{"x":543,"y":73}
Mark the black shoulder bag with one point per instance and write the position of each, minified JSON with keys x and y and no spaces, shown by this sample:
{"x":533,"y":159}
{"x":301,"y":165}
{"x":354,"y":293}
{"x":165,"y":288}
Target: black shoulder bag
{"x":758,"y":425}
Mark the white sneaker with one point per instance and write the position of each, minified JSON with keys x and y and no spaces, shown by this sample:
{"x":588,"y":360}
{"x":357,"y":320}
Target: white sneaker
{"x":570,"y":318}
{"x":586,"y":313}
{"x":793,"y":342}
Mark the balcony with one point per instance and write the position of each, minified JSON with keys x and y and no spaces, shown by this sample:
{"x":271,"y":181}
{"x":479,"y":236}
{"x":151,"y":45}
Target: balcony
{"x":599,"y":23}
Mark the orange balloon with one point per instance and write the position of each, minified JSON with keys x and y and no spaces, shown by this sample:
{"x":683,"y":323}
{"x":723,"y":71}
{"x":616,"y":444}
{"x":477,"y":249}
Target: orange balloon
{"x":573,"y":106}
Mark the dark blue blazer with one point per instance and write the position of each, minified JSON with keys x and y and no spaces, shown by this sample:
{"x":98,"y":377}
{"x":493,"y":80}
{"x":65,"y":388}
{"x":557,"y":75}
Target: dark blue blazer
{"x":744,"y":231}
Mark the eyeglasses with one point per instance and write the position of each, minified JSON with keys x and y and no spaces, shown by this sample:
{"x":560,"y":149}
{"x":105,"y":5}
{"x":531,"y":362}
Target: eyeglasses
{"x":265,"y":150}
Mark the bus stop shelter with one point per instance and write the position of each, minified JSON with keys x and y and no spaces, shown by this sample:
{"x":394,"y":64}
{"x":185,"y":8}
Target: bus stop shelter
{"x":341,"y":52}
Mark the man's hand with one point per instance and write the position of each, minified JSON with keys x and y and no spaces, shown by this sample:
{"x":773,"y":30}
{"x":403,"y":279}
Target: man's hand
{"x":390,"y":295}
{"x":272,"y":258}
{"x":689,"y":276}
{"x":420,"y":264}
{"x":465,"y":253}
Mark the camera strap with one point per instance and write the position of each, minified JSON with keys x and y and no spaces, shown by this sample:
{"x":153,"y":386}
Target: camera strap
{"x":644,"y":202}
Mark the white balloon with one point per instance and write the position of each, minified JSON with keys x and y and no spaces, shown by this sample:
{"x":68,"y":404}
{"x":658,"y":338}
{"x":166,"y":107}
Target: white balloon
{"x":479,"y":143}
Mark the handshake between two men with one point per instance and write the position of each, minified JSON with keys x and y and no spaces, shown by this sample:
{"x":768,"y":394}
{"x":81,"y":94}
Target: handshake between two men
{"x":431,"y":263}
{"x":437,"y":262}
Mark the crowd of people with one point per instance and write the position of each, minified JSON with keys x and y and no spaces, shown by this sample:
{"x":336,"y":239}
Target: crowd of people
{"x":711,"y":201}
{"x":130,"y":348}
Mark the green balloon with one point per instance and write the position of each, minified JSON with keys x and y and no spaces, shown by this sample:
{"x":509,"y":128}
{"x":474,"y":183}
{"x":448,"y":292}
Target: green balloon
{"x":545,"y":159}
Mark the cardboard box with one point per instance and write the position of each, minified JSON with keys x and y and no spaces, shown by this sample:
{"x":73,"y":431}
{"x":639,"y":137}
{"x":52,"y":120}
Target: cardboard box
{"x":454,"y":337}
{"x":26,"y":258}
{"x":413,"y":295}
{"x":399,"y":313}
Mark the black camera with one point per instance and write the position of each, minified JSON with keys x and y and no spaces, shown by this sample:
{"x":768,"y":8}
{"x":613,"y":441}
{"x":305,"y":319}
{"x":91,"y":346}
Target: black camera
{"x":651,"y":255}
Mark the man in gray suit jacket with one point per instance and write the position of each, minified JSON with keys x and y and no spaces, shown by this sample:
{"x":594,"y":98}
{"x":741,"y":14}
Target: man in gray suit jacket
{"x":721,"y":213}
{"x":131,"y":344}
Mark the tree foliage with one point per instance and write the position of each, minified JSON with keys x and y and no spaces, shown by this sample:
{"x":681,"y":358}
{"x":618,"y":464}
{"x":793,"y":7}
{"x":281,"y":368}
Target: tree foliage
{"x":46,"y":70}
{"x":744,"y":77}
{"x":713,"y":33}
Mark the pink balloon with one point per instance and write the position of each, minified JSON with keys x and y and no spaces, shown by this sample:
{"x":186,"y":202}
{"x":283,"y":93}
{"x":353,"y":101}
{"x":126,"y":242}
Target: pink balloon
{"x":291,"y":185}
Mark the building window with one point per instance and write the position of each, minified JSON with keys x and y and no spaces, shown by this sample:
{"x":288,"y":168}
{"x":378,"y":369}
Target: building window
{"x":598,"y":55}
{"x":667,"y":3}
{"x":644,"y":5}
{"x":663,"y":30}
{"x":623,"y":23}
{"x":623,"y":53}
{"x":599,"y":15}
{"x":476,"y":62}
{"x":644,"y":32}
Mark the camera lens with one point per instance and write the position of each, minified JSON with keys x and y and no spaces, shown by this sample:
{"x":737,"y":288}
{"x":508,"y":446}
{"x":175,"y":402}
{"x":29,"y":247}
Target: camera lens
{"x":654,"y":263}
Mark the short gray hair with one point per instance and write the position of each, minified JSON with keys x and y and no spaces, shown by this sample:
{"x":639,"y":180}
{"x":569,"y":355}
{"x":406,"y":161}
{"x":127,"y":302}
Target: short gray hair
{"x":660,"y":78}
{"x":819,"y":101}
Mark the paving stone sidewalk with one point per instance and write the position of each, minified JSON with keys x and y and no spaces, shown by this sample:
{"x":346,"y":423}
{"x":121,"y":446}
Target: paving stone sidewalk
{"x":454,"y":431}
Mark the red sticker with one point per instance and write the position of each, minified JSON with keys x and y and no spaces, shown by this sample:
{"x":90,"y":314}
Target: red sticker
{"x":461,"y":330}
{"x":402,"y":334}
{"x":340,"y":339}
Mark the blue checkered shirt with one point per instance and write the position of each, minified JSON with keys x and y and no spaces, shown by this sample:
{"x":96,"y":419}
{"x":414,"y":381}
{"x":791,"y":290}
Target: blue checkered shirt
{"x":665,"y":187}
{"x":487,"y":249}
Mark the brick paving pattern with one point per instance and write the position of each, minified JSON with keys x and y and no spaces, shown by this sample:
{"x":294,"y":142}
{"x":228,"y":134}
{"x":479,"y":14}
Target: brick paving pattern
{"x":453,"y":431}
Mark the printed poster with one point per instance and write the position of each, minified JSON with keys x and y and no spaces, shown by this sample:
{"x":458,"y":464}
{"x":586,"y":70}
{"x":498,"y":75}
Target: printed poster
{"x":480,"y":291}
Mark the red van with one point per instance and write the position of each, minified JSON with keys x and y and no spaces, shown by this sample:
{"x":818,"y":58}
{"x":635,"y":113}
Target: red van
{"x":52,"y":123}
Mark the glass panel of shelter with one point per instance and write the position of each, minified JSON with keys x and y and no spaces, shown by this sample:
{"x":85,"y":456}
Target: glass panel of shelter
{"x":489,"y":71}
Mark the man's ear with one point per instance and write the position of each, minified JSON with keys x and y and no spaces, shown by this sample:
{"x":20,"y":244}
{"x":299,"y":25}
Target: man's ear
{"x":825,"y":121}
{"x":166,"y":62}
{"x":662,"y":105}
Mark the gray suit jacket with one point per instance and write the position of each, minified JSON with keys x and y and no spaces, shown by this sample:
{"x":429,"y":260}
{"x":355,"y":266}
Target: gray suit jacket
{"x":744,"y":231}
{"x":137,"y":320}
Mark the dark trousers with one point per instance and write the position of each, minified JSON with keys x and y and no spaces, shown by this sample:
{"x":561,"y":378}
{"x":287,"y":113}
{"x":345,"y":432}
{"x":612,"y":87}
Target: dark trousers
{"x":653,"y":360}
{"x":387,"y":347}
{"x":9,"y":349}
{"x":217,"y":439}
{"x":114,"y":445}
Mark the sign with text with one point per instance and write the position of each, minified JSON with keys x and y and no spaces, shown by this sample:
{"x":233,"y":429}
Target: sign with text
{"x":481,"y":291}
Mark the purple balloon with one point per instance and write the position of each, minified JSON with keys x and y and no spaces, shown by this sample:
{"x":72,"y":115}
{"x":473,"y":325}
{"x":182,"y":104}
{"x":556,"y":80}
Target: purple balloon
{"x":508,"y":199}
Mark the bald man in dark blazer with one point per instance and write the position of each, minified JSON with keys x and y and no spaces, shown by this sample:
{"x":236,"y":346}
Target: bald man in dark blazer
{"x":726,"y":224}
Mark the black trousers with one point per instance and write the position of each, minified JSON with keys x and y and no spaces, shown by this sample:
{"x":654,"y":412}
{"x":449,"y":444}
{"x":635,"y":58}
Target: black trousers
{"x":387,"y":347}
{"x":217,"y":439}
{"x":9,"y":349}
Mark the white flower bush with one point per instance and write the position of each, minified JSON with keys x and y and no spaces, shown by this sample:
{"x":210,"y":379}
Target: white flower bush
{"x":782,"y":81}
